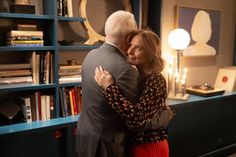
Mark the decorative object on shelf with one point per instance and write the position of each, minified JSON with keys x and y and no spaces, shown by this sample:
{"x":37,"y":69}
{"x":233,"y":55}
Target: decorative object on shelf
{"x":93,"y":36}
{"x":226,"y":78}
{"x":71,"y":61}
{"x":65,"y":42}
{"x":178,"y":40}
{"x":22,"y":6}
{"x":204,"y":26}
{"x":205,"y":90}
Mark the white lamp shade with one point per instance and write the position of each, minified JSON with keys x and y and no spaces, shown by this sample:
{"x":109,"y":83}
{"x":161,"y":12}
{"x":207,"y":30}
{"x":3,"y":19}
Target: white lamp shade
{"x":179,"y":39}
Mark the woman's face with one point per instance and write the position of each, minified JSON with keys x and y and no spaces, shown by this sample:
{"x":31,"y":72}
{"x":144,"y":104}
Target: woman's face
{"x":136,"y":51}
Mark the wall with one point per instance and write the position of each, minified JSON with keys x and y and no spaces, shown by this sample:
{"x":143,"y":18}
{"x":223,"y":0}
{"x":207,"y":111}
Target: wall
{"x":203,"y":69}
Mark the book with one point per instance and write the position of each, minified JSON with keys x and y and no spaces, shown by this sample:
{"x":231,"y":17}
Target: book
{"x":26,"y":27}
{"x":70,"y":67}
{"x":15,"y":66}
{"x":74,"y":101}
{"x":70,"y":79}
{"x":18,"y":79}
{"x":11,"y":73}
{"x":25,"y":33}
{"x":71,"y":103}
{"x":26,"y":108}
{"x":33,"y":101}
{"x":20,"y":38}
{"x":62,"y":100}
{"x":52,"y":107}
{"x":12,"y":42}
{"x":70,"y":8}
{"x":47,"y":107}
{"x":26,"y":45}
{"x":43,"y":107}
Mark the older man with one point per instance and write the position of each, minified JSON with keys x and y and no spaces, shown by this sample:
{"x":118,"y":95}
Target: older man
{"x":101,"y":132}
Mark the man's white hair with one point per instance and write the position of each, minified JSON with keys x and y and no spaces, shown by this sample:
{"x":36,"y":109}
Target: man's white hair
{"x":120,"y":24}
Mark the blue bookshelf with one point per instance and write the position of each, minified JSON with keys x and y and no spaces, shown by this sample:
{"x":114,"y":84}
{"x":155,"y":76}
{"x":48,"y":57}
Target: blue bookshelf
{"x":26,"y":16}
{"x":47,"y":21}
{"x":78,"y":47}
{"x":22,"y":87}
{"x":79,"y":84}
{"x":70,"y":19}
{"x":25,"y":48}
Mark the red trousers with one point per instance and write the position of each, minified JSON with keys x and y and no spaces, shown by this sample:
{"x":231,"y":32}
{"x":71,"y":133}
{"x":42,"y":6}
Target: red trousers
{"x":160,"y":149}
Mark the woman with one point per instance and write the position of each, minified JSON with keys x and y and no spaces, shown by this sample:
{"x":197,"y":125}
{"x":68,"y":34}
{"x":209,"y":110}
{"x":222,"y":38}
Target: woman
{"x":145,"y":54}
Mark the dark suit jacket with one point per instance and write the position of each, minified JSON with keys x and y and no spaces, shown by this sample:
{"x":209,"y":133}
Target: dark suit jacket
{"x":101,"y":132}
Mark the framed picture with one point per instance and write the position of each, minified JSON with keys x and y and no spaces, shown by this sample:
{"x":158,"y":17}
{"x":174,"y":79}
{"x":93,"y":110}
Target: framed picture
{"x":226,"y":79}
{"x":203,"y":26}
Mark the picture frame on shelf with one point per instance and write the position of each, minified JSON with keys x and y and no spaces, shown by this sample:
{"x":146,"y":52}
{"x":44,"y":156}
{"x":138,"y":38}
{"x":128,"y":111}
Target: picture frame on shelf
{"x":203,"y":25}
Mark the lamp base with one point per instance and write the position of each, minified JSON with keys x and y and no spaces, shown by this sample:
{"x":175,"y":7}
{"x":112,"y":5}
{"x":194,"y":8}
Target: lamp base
{"x":178,"y":96}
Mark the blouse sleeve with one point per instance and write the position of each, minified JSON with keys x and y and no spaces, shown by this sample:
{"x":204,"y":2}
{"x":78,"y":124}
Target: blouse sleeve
{"x":139,"y":114}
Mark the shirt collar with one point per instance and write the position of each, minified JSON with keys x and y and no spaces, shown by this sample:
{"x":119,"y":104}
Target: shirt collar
{"x":122,"y":52}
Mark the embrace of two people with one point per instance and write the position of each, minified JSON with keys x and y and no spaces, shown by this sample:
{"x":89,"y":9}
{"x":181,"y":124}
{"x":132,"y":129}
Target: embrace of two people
{"x":123,"y":89}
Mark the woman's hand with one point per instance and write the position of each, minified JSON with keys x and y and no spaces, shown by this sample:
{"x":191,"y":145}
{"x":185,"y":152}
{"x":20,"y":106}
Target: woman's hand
{"x":103,"y":77}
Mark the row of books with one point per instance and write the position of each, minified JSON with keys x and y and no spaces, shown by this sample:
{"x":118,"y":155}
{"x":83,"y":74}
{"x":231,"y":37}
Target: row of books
{"x":65,"y":8}
{"x":25,"y":35}
{"x":70,"y":101}
{"x":38,"y":107}
{"x":38,"y":70}
{"x":42,"y":67}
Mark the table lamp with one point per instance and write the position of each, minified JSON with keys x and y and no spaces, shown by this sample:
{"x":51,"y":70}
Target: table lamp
{"x":178,"y":40}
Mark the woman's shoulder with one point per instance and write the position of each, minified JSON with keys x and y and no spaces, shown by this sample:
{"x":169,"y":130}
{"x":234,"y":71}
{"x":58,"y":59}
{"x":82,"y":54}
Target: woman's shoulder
{"x":156,"y":75}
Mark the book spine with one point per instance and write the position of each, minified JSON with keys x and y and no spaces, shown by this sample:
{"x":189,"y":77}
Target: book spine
{"x":74,"y":102}
{"x":71,"y":103}
{"x":20,"y":45}
{"x":69,"y":8}
{"x":12,"y":42}
{"x":62,"y":99}
{"x":52,"y":107}
{"x":25,"y":33}
{"x":14,"y":66}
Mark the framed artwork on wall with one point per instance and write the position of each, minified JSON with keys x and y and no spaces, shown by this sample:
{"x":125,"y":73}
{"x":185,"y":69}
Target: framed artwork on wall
{"x":203,"y":26}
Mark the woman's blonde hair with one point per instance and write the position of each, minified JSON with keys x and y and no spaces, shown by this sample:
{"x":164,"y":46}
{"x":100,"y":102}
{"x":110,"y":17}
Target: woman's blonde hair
{"x":152,"y":48}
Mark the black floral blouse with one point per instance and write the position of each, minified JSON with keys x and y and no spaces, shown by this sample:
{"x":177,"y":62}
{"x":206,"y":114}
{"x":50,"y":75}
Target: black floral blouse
{"x":138,"y":115}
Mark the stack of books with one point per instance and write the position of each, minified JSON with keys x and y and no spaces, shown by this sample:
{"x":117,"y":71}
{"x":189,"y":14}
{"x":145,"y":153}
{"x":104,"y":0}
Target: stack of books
{"x":12,"y":74}
{"x":25,"y":35}
{"x":70,"y":73}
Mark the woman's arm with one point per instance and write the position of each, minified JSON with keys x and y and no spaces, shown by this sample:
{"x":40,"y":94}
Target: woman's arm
{"x":140,"y":114}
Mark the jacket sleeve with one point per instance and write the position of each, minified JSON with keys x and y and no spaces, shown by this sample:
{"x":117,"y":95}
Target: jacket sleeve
{"x":138,"y":115}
